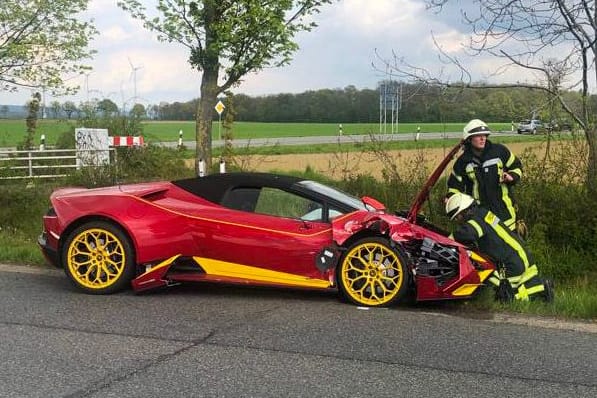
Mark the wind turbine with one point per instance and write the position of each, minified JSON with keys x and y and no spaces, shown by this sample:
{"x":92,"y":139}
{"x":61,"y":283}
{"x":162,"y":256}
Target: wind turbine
{"x":133,"y":76}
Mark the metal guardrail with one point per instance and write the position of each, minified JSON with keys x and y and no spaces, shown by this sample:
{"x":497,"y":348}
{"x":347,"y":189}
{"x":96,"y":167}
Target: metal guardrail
{"x":49,"y":163}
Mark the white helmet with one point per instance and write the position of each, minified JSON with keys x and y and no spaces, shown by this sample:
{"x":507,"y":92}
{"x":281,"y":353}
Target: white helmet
{"x":458,"y":203}
{"x":475,"y":127}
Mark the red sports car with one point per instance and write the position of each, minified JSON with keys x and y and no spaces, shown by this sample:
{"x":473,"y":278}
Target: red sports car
{"x":255,"y":229}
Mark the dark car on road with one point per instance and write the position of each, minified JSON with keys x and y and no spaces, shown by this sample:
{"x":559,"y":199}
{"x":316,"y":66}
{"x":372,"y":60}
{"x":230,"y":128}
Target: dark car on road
{"x":560,"y":125}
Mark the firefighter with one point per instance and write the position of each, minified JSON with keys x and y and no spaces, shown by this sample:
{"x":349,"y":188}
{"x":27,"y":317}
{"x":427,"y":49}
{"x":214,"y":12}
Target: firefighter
{"x":487,"y":171}
{"x":517,"y":276}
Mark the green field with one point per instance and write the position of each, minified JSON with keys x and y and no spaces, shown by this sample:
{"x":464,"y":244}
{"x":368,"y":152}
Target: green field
{"x":12,"y":132}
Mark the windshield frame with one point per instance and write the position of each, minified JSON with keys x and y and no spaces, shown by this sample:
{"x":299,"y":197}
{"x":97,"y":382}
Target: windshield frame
{"x":334,"y":194}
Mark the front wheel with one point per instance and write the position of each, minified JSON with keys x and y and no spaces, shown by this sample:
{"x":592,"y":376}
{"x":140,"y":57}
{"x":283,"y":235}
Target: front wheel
{"x":372,"y":273}
{"x":98,"y":258}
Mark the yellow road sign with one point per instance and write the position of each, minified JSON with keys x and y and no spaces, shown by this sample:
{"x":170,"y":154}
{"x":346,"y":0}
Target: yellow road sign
{"x":219,"y":107}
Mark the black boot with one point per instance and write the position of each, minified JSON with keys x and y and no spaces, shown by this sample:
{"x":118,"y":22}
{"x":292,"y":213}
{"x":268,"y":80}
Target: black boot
{"x":504,"y":292}
{"x":548,"y":292}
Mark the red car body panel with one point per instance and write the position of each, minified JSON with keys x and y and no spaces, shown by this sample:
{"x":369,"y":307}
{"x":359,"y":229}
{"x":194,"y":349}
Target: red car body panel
{"x":177,"y":223}
{"x":180,"y":234}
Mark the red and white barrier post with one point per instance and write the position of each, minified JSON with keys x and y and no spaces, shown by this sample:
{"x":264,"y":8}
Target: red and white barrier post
{"x":128,"y":140}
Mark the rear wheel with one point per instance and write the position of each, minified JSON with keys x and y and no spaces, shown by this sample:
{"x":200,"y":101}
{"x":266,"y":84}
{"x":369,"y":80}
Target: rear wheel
{"x":372,"y":273}
{"x":98,"y":258}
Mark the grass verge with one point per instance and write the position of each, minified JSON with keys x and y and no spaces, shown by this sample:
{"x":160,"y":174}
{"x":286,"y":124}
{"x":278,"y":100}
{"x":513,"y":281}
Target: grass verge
{"x":17,"y":248}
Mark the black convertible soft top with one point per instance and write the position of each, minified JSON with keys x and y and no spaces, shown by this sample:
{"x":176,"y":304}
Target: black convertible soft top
{"x":213,"y":187}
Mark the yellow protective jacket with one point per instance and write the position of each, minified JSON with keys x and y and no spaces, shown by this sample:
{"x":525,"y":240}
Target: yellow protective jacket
{"x":480,"y":177}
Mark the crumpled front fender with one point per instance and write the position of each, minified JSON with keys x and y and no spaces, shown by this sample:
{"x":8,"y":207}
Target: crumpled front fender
{"x":353,"y":223}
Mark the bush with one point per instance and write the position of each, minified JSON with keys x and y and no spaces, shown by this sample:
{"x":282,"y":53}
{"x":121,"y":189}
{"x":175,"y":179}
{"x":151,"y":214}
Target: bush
{"x":24,"y":204}
{"x":151,"y":162}
{"x":134,"y":164}
{"x":560,"y":213}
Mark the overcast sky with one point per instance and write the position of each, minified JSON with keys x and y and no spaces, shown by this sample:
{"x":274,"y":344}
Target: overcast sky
{"x":338,"y":53}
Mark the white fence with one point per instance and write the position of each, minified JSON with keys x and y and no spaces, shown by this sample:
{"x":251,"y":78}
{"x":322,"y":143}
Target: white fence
{"x":49,"y":163}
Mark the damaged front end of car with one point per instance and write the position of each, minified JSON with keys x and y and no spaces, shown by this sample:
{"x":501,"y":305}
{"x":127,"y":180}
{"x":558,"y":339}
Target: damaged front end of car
{"x":438,"y":267}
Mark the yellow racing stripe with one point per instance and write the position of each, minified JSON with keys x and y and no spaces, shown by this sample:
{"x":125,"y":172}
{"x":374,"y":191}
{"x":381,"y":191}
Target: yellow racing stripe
{"x":233,"y":270}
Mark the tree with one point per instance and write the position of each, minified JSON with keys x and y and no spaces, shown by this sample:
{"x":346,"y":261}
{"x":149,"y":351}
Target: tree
{"x":153,"y":111}
{"x":69,"y":108}
{"x":138,"y":111}
{"x":228,"y":125}
{"x":31,"y":120}
{"x":227,"y":39}
{"x":55,"y":108}
{"x":107,"y":107}
{"x":523,"y":34}
{"x":41,"y":42}
{"x":88,"y":110}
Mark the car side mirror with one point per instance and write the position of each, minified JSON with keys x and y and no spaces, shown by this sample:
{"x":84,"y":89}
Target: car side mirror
{"x":377,"y":205}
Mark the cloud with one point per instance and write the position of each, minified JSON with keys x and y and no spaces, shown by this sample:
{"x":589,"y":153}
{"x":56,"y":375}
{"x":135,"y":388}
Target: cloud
{"x":338,"y":53}
{"x":343,"y":49}
{"x":353,"y":41}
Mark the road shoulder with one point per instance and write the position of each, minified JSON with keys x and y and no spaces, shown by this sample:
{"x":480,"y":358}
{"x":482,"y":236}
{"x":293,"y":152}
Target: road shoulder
{"x":589,"y":326}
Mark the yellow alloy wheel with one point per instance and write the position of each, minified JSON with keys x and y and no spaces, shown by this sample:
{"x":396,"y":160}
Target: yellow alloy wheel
{"x":97,"y":258}
{"x":372,"y":273}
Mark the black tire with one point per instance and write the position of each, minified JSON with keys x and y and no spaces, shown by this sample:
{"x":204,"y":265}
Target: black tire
{"x":371,"y":273}
{"x":98,"y":258}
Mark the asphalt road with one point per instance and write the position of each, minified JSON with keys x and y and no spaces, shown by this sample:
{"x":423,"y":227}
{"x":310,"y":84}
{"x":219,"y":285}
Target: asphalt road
{"x":318,"y":140}
{"x":210,"y":341}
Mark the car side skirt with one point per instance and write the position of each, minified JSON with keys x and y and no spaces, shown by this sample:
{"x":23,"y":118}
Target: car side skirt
{"x":210,"y":270}
{"x":250,"y":274}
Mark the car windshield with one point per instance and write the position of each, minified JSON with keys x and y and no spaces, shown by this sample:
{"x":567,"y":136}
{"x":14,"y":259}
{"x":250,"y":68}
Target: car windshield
{"x":335,"y":194}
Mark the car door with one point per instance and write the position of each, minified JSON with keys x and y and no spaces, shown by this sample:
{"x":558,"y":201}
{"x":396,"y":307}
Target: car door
{"x":271,"y":229}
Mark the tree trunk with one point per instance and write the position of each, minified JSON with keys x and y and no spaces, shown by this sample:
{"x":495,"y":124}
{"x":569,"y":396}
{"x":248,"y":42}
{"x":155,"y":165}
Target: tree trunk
{"x":205,"y":111}
{"x":592,"y":162}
